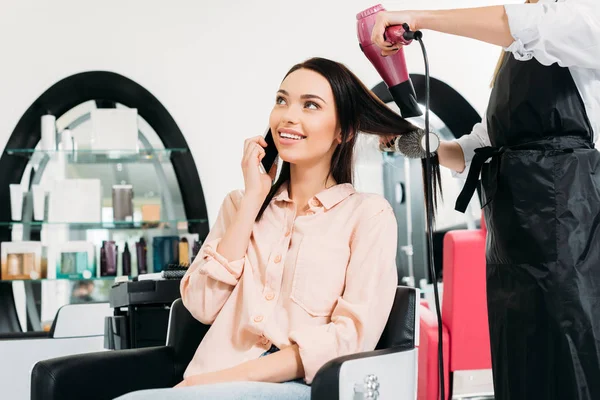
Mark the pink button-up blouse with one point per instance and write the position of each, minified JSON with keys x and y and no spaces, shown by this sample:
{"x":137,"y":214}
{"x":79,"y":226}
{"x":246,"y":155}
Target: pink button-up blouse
{"x":324,"y":281}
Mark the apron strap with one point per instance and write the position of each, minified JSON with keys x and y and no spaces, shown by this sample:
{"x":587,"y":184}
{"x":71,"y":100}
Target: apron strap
{"x":482,"y":154}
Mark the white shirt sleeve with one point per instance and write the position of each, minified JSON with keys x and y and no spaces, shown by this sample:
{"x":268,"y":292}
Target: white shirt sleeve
{"x":565,"y":32}
{"x":478,"y":137}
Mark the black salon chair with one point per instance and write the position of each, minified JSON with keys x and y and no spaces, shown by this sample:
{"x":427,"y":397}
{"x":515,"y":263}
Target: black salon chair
{"x":392,"y":367}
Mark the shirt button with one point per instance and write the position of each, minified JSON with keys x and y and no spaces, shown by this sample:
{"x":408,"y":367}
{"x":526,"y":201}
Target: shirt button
{"x":258,"y":318}
{"x":277,"y":258}
{"x":287,"y":233}
{"x":270,"y":296}
{"x":314,"y":202}
{"x":265,"y":341}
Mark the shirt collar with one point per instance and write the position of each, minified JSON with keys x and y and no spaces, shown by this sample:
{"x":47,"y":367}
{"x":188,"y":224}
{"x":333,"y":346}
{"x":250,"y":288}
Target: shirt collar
{"x":335,"y":194}
{"x":282,"y":194}
{"x":328,"y":197}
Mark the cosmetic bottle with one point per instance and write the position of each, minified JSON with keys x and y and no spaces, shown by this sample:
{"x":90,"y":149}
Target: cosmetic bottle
{"x":126,"y":261}
{"x":184,"y":252}
{"x":141,"y":252}
{"x":108,"y":258}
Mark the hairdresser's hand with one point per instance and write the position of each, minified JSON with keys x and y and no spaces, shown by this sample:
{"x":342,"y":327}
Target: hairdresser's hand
{"x":386,"y":140}
{"x":257,"y":184}
{"x":390,"y":18}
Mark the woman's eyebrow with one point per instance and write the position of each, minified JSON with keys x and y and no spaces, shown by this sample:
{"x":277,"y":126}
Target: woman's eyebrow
{"x":312,"y":96}
{"x":304,"y":96}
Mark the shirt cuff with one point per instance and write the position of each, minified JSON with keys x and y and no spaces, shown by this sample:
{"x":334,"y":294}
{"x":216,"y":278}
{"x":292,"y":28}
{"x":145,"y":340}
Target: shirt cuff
{"x":218,"y":267}
{"x":522,"y":29}
{"x":464,"y":173}
{"x":468,"y":146}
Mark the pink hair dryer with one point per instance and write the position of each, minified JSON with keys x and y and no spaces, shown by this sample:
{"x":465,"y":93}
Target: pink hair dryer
{"x":391,"y":68}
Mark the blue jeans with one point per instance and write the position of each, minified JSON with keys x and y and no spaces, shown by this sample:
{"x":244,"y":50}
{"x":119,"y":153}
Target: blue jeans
{"x":292,"y":390}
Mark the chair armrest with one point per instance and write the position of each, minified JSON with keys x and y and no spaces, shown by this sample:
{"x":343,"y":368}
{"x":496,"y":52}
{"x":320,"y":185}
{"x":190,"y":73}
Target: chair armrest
{"x":103,"y":375}
{"x":395,"y":369}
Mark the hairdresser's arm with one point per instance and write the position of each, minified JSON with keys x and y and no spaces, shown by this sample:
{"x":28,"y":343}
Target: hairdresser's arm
{"x":451,"y":156}
{"x":567,"y":33}
{"x":489,"y":24}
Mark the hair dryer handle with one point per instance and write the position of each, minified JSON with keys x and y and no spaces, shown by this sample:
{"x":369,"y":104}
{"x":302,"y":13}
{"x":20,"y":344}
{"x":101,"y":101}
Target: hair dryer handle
{"x":400,"y":34}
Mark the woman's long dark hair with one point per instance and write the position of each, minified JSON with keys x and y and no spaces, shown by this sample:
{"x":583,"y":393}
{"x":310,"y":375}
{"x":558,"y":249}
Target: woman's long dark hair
{"x":358,"y":110}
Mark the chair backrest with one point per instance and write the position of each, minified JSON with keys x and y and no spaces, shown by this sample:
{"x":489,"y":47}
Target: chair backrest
{"x":402,"y":328}
{"x":184,"y":334}
{"x":76,"y":320}
{"x":464,"y":306}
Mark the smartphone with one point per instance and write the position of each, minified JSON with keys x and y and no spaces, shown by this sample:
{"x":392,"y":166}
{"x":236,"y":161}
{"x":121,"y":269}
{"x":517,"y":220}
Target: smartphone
{"x":268,"y":160}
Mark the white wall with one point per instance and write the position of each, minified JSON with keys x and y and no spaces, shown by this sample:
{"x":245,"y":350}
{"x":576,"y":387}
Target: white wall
{"x":215,"y":65}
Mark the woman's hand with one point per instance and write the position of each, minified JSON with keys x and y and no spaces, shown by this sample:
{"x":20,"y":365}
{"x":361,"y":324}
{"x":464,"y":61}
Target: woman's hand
{"x":390,"y":18}
{"x":257,"y":183}
{"x":203,"y":379}
{"x":282,"y":366}
{"x":235,"y":374}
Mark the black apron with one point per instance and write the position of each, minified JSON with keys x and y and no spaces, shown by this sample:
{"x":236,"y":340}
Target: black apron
{"x":541,"y":198}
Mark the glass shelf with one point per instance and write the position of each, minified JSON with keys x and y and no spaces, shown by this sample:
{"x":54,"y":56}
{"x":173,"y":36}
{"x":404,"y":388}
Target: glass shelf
{"x":86,"y":156}
{"x":181,"y":224}
{"x":102,"y":278}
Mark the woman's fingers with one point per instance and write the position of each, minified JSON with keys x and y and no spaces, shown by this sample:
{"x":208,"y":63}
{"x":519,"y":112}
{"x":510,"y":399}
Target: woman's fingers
{"x":262,"y":141}
{"x":250,"y":144}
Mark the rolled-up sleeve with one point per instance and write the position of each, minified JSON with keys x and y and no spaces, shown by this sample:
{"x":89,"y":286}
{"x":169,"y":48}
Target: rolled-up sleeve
{"x":478,"y":137}
{"x":567,"y":33}
{"x":210,"y":279}
{"x":362,"y":312}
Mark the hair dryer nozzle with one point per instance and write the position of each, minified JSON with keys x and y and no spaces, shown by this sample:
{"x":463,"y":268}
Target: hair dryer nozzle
{"x":406,"y":99}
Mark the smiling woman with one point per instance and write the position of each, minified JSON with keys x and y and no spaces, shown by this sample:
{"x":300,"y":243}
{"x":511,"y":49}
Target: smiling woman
{"x":295,"y":273}
{"x":326,"y":105}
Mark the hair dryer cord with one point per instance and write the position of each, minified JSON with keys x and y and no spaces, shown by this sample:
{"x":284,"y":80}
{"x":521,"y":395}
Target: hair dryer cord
{"x":429,"y":190}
